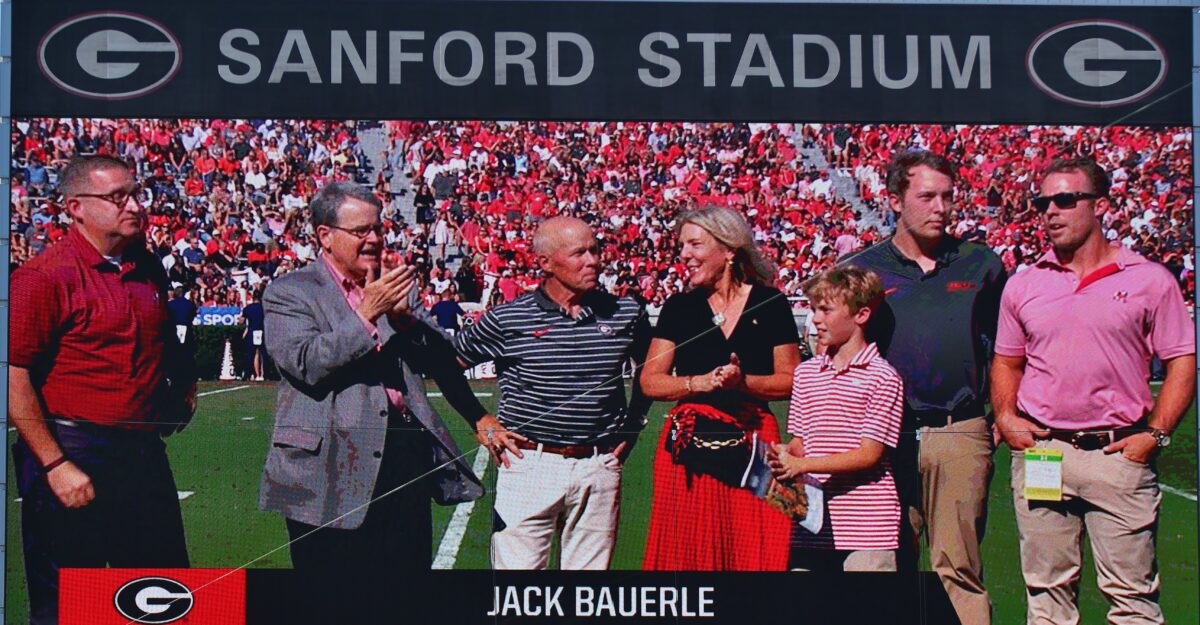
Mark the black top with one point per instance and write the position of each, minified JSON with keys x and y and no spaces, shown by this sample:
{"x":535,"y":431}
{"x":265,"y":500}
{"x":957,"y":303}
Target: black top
{"x":938,"y":328}
{"x":700,"y":346}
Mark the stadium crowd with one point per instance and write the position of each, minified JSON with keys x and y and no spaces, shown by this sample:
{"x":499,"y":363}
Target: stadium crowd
{"x":1151,"y":193}
{"x":224,"y":198}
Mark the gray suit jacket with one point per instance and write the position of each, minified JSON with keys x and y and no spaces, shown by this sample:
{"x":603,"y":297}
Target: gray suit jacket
{"x":331,"y":409}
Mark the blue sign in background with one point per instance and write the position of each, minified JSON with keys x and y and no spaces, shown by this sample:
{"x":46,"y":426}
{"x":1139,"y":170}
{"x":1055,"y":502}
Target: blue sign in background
{"x":219,"y":316}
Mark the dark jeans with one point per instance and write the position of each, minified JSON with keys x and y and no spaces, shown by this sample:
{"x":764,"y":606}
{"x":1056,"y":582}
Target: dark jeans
{"x":361,"y":575}
{"x":134,"y":521}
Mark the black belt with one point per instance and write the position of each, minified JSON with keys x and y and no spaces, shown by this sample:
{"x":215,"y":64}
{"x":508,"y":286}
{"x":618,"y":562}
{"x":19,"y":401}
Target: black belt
{"x":942,"y":418}
{"x":1091,"y":440}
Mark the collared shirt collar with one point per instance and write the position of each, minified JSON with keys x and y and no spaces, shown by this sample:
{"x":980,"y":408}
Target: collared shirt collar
{"x":948,"y":249}
{"x":863,"y":358}
{"x":545,"y":303}
{"x":92,"y":256}
{"x":1125,"y":258}
{"x":345,"y":284}
{"x":84,"y":248}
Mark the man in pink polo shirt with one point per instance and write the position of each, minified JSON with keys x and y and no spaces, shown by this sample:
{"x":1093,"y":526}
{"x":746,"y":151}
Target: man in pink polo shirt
{"x":1071,"y":379}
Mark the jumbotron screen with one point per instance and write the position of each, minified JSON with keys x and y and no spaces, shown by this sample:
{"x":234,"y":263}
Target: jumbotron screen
{"x":226,"y":215}
{"x":539,"y":312}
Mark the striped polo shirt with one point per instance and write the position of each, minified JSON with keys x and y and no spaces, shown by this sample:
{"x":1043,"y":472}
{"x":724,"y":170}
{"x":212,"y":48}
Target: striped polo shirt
{"x":560,"y":377}
{"x":833,"y":410}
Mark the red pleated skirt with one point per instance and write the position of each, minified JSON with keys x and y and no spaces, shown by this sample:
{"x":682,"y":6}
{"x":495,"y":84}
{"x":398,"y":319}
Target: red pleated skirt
{"x":698,"y":523}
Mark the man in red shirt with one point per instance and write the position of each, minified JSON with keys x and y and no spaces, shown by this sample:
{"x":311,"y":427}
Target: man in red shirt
{"x":95,"y":376}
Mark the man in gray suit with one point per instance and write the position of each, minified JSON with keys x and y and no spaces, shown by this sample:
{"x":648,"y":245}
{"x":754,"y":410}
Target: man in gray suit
{"x":357,"y":450}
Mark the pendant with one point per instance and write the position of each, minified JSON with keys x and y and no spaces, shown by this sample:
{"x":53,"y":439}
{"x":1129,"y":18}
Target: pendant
{"x":718,"y":319}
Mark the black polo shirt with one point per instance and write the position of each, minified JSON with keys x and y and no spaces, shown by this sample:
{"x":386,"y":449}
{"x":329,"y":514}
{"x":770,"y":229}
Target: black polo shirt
{"x":938,"y":328}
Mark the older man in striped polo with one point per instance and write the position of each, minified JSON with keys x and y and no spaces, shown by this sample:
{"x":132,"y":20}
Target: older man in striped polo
{"x":562,"y":427}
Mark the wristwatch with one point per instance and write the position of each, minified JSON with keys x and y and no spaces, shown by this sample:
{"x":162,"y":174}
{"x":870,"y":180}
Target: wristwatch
{"x":1160,"y":436}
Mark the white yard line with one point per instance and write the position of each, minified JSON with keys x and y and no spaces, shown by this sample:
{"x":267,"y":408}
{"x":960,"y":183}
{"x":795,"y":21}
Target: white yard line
{"x":223,"y":390}
{"x":447,"y":553}
{"x":183,"y":494}
{"x":1190,"y":496}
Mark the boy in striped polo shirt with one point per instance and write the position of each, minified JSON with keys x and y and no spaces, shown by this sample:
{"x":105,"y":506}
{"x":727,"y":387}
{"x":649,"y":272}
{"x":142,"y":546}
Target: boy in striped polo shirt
{"x":844,"y":418}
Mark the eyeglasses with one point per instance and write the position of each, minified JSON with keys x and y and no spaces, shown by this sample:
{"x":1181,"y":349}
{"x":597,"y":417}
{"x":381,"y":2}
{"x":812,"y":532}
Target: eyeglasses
{"x":119,"y":198}
{"x":1062,"y":200}
{"x":363,"y":231}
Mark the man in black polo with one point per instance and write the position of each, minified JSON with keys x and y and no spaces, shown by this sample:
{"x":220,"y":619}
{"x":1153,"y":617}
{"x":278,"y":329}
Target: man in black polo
{"x":937,"y":327}
{"x":562,"y":427}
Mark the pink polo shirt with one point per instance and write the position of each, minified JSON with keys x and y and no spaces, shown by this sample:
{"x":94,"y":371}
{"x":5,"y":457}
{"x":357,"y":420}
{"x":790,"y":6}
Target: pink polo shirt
{"x":1088,"y":343}
{"x":353,"y":294}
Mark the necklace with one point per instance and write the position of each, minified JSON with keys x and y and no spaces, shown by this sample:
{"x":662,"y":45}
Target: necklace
{"x":718,"y":319}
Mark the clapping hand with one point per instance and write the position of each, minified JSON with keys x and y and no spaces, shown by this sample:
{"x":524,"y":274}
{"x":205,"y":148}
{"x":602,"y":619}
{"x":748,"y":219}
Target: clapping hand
{"x":387,"y":292}
{"x":393,"y":261}
{"x":728,"y":376}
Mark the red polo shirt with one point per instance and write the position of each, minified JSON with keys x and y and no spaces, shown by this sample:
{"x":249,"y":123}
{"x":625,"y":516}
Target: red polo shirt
{"x":91,"y":334}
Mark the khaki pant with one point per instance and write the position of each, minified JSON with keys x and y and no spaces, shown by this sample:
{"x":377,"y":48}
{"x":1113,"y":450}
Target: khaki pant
{"x":955,"y":465}
{"x":543,"y":493}
{"x":829,"y":561}
{"x":1116,"y":501}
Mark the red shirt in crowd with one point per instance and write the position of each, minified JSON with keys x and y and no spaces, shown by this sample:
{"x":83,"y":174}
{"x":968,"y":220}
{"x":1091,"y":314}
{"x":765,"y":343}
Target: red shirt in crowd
{"x":92,"y":335}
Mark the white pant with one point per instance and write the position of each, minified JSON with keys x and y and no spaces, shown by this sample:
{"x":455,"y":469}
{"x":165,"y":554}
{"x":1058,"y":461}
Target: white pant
{"x":542,"y":492}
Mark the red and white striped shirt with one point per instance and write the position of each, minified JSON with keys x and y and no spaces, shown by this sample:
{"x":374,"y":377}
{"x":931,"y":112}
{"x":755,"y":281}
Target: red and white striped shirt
{"x":832,"y":410}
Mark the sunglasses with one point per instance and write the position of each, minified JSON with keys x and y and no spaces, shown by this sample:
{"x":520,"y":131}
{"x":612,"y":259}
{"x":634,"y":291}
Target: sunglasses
{"x":1062,"y":200}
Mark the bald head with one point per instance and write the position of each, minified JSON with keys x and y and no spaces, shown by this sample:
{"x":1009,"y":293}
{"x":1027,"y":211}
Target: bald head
{"x":568,"y":254}
{"x":557,"y":232}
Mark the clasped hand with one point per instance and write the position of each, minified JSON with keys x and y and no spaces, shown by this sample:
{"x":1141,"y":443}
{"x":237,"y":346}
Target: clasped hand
{"x":786,"y":463}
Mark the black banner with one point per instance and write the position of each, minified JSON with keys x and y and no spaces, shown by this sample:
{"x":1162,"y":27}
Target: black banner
{"x":627,"y":597}
{"x":604,"y":61}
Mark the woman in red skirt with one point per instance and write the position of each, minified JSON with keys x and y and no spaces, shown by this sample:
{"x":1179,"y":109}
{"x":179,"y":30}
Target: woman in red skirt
{"x":723,"y":349}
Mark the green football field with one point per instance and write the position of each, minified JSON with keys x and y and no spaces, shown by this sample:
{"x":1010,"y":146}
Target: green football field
{"x":218,"y":461}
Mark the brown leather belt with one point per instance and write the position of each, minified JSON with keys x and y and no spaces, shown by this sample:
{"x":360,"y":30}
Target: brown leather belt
{"x":1091,"y":440}
{"x":569,"y":451}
